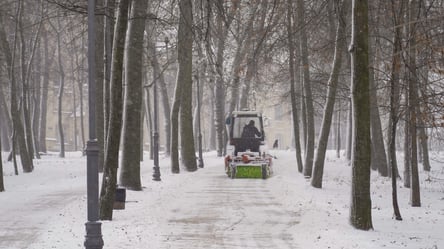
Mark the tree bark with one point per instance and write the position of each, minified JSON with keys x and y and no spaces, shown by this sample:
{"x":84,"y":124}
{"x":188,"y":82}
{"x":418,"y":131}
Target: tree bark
{"x":219,"y":88}
{"x":174,"y":150}
{"x":130,"y":161}
{"x":348,"y":146}
{"x":18,"y":129}
{"x":99,"y":82}
{"x":318,"y":168}
{"x":44,"y":94}
{"x":24,"y":103}
{"x":111,"y":159}
{"x":309,"y":146}
{"x":394,"y":106}
{"x":379,"y":157}
{"x":60,"y":94}
{"x":360,"y":208}
{"x":107,"y":57}
{"x":2,"y":186}
{"x":5,"y":126}
{"x":185,"y":77}
{"x":294,"y":108}
{"x":415,"y":197}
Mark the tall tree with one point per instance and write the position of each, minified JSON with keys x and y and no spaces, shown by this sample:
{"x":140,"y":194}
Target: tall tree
{"x":415,"y":199}
{"x":294,"y":108}
{"x":130,"y":161}
{"x":379,"y":157}
{"x":111,"y":159}
{"x":108,"y":36}
{"x":44,"y":95}
{"x":99,"y":81}
{"x":26,"y":82}
{"x":60,"y":92}
{"x":18,"y":134}
{"x":394,"y":103}
{"x":184,"y":77}
{"x":360,"y":208}
{"x":308,"y":100}
{"x":340,"y":48}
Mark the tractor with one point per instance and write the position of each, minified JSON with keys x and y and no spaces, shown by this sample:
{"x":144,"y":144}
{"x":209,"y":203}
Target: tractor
{"x":247,"y":152}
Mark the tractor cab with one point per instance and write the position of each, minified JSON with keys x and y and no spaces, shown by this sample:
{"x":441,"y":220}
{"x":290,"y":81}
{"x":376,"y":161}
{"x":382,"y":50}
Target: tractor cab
{"x":246,"y":131}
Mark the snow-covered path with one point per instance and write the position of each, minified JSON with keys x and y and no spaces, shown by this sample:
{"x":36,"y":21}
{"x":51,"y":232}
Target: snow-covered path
{"x":224,"y":213}
{"x":33,"y":200}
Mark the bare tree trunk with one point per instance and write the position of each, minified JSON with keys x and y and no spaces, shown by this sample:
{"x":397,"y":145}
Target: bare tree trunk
{"x":44,"y":94}
{"x":36,"y":95}
{"x":2,"y":186}
{"x":108,"y":36}
{"x":28,"y":117}
{"x":24,"y":105}
{"x":394,"y":106}
{"x":394,"y":93}
{"x":5,"y":126}
{"x":318,"y":168}
{"x":360,"y":208}
{"x":130,"y":162}
{"x":149,"y":121}
{"x":184,"y":52}
{"x":407,"y":144}
{"x":74,"y":108}
{"x":18,"y":130}
{"x":379,"y":157}
{"x":424,"y":55}
{"x":174,"y":150}
{"x":348,"y":146}
{"x":294,"y":108}
{"x":80,"y":84}
{"x":309,"y":147}
{"x":99,"y":82}
{"x":212,"y":136}
{"x":111,"y":159}
{"x":219,"y":89}
{"x":415,"y":197}
{"x":423,"y":140}
{"x":338,"y":131}
{"x":60,"y":94}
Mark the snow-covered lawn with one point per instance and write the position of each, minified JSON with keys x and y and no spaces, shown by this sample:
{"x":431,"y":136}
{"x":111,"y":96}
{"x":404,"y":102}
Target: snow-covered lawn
{"x":206,"y":209}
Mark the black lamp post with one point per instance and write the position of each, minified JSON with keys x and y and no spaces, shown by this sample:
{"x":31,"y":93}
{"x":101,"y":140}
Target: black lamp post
{"x":93,"y":237}
{"x":156,"y":169}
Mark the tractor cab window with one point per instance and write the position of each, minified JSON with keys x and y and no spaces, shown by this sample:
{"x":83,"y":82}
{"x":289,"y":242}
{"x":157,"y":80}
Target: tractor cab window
{"x":241,"y":124}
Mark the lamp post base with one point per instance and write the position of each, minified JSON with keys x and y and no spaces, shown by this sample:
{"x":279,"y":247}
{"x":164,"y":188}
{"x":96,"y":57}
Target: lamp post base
{"x":93,"y":237}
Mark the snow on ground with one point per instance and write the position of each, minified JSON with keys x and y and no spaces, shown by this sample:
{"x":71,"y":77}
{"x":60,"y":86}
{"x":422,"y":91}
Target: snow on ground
{"x":206,"y":209}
